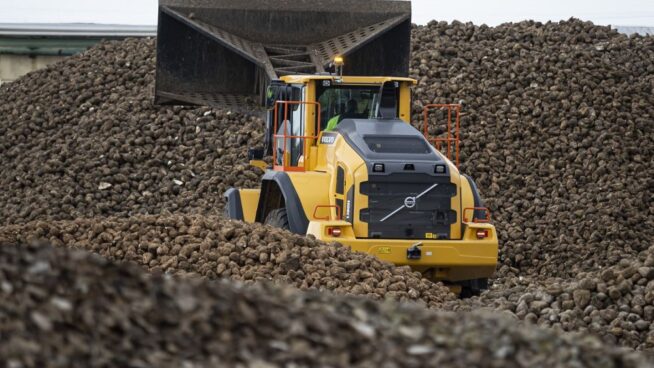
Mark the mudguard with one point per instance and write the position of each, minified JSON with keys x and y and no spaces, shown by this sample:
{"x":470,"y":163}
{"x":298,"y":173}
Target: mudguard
{"x":277,"y":191}
{"x":233,"y":205}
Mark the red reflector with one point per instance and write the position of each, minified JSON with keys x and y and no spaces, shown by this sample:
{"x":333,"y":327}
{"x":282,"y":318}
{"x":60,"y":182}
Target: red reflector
{"x":482,"y":234}
{"x":334,"y":231}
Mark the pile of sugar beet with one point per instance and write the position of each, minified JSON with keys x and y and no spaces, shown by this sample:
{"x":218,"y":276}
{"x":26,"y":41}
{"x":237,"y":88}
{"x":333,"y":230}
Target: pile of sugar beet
{"x":63,"y":308}
{"x":557,"y":132}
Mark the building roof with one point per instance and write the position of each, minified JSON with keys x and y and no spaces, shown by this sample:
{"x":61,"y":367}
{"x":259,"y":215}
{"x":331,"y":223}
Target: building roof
{"x":63,"y":38}
{"x":75,"y":30}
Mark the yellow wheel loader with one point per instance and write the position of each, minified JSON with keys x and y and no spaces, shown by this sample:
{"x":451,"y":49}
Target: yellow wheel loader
{"x":347,"y":165}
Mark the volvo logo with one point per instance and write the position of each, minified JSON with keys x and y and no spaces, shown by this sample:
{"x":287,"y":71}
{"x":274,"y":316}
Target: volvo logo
{"x":410,"y":202}
{"x":327,"y":139}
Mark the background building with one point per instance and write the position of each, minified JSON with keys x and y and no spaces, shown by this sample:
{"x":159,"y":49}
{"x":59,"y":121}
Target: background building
{"x":27,"y":47}
{"x":629,"y":30}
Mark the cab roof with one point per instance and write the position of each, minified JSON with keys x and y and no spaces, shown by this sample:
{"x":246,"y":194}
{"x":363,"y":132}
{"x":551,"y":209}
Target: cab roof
{"x":304,"y":78}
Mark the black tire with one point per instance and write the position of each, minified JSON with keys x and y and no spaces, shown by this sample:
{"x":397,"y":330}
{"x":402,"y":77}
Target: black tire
{"x":467,"y":292}
{"x":473,"y":288}
{"x":278,"y":218}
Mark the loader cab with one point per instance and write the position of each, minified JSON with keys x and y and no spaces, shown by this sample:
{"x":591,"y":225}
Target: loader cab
{"x":301,"y":108}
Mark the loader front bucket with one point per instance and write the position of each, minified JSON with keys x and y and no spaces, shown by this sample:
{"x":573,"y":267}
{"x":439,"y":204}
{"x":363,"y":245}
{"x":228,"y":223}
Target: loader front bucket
{"x":225,"y":52}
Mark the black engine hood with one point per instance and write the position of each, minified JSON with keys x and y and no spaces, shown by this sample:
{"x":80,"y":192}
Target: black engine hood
{"x":383,"y":140}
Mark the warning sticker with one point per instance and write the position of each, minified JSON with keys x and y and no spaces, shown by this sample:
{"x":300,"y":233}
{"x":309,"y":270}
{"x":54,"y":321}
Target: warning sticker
{"x":384,"y":250}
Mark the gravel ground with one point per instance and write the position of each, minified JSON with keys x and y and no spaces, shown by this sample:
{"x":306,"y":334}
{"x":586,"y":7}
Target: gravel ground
{"x":63,"y":308}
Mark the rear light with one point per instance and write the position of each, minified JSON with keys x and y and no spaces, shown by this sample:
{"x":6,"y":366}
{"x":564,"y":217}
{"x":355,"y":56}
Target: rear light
{"x":482,"y":234}
{"x":439,"y":169}
{"x":378,"y":168}
{"x":334,"y":231}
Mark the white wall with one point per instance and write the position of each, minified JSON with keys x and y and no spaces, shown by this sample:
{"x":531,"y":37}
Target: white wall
{"x":14,"y":66}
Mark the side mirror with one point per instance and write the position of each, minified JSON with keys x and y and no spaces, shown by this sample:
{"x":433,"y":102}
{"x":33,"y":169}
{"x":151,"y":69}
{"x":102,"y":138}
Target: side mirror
{"x":271,"y":93}
{"x":280,"y":91}
{"x":274,"y":92}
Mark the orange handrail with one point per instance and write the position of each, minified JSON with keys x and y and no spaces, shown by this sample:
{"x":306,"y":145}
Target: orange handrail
{"x":452,"y":137}
{"x":285,"y":166}
{"x":338,"y":212}
{"x":478,"y":220}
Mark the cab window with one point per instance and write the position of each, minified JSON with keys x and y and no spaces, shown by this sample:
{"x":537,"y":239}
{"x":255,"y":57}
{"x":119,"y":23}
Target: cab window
{"x":339,"y":102}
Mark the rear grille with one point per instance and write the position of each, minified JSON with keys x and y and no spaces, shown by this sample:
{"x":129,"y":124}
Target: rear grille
{"x":428,"y":217}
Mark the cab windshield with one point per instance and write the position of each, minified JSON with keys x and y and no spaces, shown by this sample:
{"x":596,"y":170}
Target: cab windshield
{"x":338,"y":102}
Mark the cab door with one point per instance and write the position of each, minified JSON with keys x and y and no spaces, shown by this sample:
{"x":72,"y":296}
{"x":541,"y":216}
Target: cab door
{"x":286,"y":127}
